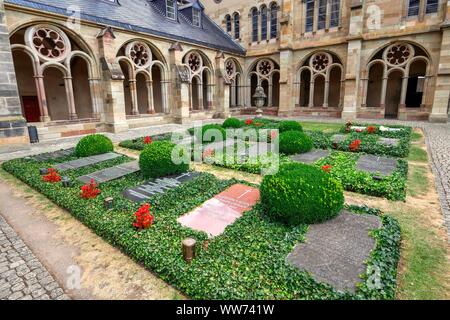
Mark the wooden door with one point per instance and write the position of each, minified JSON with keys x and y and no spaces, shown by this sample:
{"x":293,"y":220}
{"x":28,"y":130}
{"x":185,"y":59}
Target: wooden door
{"x":31,"y":108}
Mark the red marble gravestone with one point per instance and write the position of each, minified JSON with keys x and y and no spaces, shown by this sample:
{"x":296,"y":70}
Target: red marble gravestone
{"x":224,"y":209}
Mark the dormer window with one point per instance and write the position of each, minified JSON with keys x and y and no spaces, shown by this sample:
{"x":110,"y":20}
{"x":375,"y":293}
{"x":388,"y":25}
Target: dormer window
{"x":170,"y":9}
{"x":196,"y":17}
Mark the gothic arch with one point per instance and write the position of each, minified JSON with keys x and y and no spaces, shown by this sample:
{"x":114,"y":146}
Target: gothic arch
{"x":326,"y":80}
{"x":233,"y":72}
{"x":264,"y":69}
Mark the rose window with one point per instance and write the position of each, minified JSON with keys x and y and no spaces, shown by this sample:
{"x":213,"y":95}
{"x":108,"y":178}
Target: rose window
{"x":265,"y":67}
{"x":398,"y":54}
{"x":50,"y":43}
{"x":320,"y":61}
{"x":194,"y":62}
{"x":140,"y":54}
{"x":230,"y":68}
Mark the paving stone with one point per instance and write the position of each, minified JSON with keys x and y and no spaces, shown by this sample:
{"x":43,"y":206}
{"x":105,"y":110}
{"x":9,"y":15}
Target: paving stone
{"x":389,"y":142}
{"x":112,"y":173}
{"x":84,"y":162}
{"x":54,"y":155}
{"x":221,"y":211}
{"x":311,"y":156}
{"x":377,"y":165}
{"x":335,"y":251}
{"x":338,"y":138}
{"x":157,"y":186}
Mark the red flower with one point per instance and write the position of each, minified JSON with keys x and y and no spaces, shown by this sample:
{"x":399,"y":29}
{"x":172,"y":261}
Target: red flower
{"x":371,"y":129}
{"x":148,"y":140}
{"x":143,"y":219}
{"x":248,"y":122}
{"x":327,"y":168}
{"x":354,"y":146}
{"x":358,"y":130}
{"x":52,"y":176}
{"x":90,"y":190}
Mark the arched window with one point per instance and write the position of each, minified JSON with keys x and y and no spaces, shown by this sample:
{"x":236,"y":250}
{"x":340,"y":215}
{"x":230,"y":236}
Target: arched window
{"x":237,"y":26}
{"x":263,"y":23}
{"x":254,"y":25}
{"x":432,"y":6}
{"x":228,"y":23}
{"x":334,"y":15}
{"x":273,"y":21}
{"x":309,"y":23}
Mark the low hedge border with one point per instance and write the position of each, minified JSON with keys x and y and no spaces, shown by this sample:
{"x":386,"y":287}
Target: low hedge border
{"x":246,"y":262}
{"x":343,"y":168}
{"x":369,"y":143}
{"x":405,"y":133}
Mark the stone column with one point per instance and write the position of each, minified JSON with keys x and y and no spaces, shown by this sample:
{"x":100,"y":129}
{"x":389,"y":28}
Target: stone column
{"x":440,"y":111}
{"x":353,"y":65}
{"x":134,"y":98}
{"x":70,"y":98}
{"x":311,"y":93}
{"x":222,"y":88}
{"x":287,"y":75}
{"x":199,"y":89}
{"x":13,"y":127}
{"x":112,"y":81}
{"x":326,"y":93}
{"x":43,"y":106}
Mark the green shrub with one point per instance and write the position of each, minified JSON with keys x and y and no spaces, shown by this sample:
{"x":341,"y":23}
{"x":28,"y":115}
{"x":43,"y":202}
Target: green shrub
{"x":300,"y":193}
{"x":285,"y":126}
{"x":232,"y":123}
{"x":293,"y":142}
{"x":200,"y":133}
{"x":156,"y":160}
{"x":93,"y":145}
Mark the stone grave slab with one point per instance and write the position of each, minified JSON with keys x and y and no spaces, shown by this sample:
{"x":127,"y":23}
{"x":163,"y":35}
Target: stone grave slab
{"x":219,"y":146}
{"x":389,"y":142}
{"x":84,"y":162}
{"x":337,"y":138}
{"x":54,"y":155}
{"x":221,"y":211}
{"x":255,"y":149}
{"x":112,"y":173}
{"x":311,"y":156}
{"x":358,"y":128}
{"x":375,"y":164}
{"x":335,"y":251}
{"x":157,"y":186}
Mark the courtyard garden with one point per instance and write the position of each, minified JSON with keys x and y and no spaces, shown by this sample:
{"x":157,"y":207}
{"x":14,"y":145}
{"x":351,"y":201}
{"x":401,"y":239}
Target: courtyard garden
{"x":257,"y":236}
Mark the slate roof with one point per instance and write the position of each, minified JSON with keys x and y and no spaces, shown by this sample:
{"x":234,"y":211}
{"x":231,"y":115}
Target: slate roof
{"x":141,"y":16}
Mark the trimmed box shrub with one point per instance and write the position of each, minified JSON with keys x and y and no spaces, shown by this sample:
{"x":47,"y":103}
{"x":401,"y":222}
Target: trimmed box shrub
{"x":93,"y":145}
{"x":285,"y":126}
{"x":233,"y":123}
{"x":294,"y":142}
{"x":300,"y":194}
{"x":200,"y":134}
{"x":156,"y":160}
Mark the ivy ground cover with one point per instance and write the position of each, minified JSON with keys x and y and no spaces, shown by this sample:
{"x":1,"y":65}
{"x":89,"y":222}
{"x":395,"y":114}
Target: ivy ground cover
{"x":246,"y":262}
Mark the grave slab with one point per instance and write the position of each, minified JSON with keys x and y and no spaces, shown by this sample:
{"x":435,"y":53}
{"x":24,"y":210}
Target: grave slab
{"x":337,"y":138}
{"x":311,"y":156}
{"x":335,"y":251}
{"x":255,"y":149}
{"x":112,"y":173}
{"x":54,"y":155}
{"x":219,"y":146}
{"x":388,"y":129}
{"x":84,"y":162}
{"x":157,"y":186}
{"x":221,"y":211}
{"x":389,"y":142}
{"x":375,"y":164}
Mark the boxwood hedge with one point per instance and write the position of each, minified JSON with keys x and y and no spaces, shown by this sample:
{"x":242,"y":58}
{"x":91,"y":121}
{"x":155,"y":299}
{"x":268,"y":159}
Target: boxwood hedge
{"x":93,"y":144}
{"x":246,"y":262}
